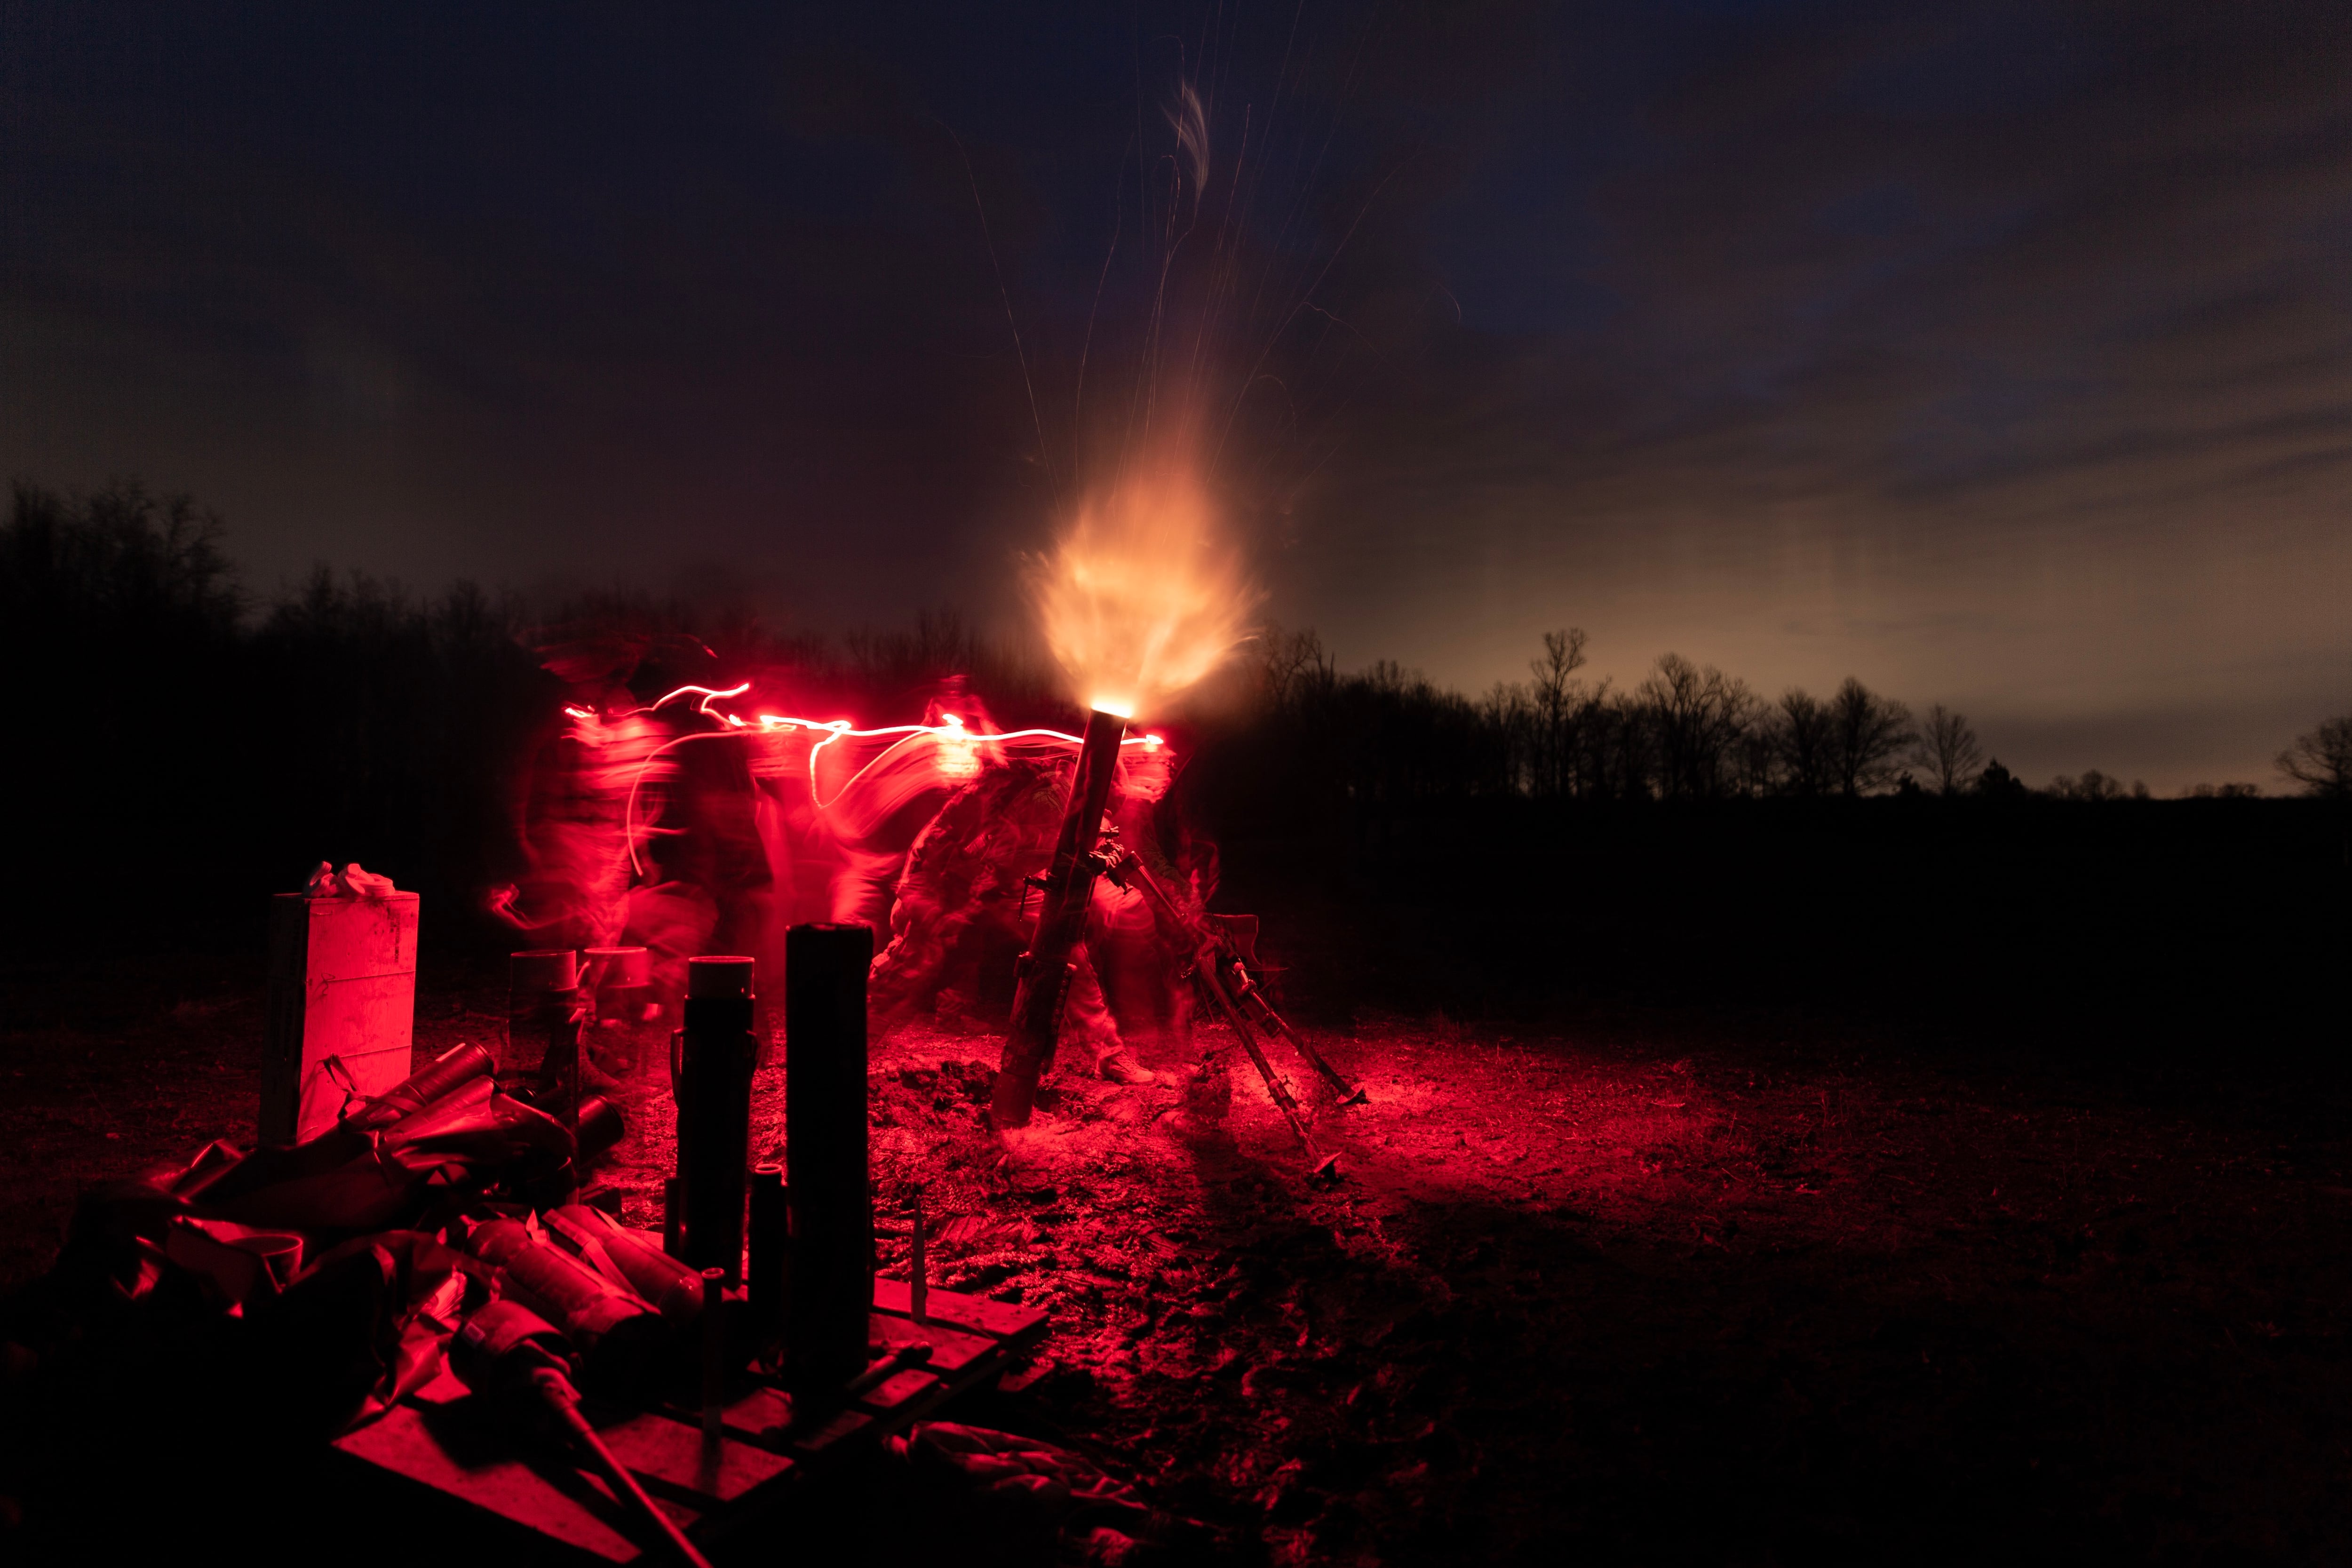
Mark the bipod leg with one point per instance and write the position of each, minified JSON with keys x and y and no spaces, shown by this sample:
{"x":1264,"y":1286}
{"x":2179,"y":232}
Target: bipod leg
{"x":1350,"y":1093}
{"x":1284,"y":1100}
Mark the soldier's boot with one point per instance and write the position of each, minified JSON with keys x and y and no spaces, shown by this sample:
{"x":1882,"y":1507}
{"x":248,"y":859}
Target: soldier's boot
{"x":1117,"y":1067}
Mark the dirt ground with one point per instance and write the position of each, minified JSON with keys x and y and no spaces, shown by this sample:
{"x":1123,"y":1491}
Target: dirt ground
{"x":1651,"y":1292}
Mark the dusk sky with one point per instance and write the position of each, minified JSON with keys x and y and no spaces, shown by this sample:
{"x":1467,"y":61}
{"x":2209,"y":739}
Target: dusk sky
{"x":2001,"y":355}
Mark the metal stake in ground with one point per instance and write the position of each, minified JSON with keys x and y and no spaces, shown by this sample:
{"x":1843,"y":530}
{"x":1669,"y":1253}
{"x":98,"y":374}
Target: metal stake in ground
{"x":918,"y":1275}
{"x":1044,"y":976}
{"x":714,"y":1362}
{"x":770,"y":1266}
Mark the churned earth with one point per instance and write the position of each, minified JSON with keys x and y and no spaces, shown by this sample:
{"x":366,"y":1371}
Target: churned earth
{"x":1645,"y":1291}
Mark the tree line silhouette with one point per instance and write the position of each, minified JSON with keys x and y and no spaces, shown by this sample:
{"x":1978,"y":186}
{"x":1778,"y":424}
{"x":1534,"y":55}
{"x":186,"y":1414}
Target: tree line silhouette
{"x":183,"y":744}
{"x":1684,"y":731}
{"x":185,"y":748}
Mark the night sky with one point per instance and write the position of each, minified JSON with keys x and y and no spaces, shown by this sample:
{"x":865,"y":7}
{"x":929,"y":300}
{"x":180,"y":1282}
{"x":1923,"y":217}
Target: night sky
{"x":2001,"y":355}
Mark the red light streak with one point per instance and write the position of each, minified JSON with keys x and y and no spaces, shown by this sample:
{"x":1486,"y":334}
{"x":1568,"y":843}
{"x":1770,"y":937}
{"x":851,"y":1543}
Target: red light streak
{"x":710,"y":695}
{"x":957,"y":744}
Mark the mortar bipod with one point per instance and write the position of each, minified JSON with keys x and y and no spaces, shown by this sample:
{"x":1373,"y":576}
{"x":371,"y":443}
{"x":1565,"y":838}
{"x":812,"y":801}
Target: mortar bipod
{"x":1259,"y":1008}
{"x":1210,"y":960}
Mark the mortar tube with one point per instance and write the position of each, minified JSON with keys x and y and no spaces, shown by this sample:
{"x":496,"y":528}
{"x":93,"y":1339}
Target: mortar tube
{"x":1045,"y":969}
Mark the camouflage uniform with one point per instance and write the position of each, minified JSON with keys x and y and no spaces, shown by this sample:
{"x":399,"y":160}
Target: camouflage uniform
{"x":968,"y":870}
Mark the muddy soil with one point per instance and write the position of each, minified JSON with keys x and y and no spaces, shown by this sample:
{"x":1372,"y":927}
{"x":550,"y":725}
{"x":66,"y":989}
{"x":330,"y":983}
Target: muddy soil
{"x":1647,"y":1292}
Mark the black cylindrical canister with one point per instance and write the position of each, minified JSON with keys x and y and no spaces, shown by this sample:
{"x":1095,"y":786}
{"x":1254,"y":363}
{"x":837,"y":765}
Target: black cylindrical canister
{"x":824,"y":1137}
{"x":617,"y":986}
{"x":600,"y":1131}
{"x":717,"y":1053}
{"x":543,"y":1010}
{"x":620,"y":980}
{"x":769,"y":1255}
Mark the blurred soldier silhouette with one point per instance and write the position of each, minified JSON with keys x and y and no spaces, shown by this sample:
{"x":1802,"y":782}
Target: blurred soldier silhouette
{"x":640,"y":825}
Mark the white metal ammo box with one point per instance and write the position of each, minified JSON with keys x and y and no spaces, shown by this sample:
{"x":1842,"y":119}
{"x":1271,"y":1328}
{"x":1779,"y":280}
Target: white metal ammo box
{"x":343,"y":985}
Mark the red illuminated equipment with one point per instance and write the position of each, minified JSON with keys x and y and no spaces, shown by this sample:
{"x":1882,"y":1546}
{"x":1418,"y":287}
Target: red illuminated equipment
{"x":1219,"y":968}
{"x":342,"y":999}
{"x":506,"y":1354}
{"x":419,"y":1274}
{"x":1217,"y":958}
{"x":685,"y":1408}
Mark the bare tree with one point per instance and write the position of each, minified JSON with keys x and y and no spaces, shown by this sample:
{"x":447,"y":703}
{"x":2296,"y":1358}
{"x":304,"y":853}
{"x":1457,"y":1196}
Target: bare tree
{"x":1804,"y":732}
{"x":2321,"y":761}
{"x":1867,"y":733}
{"x":1553,"y":699}
{"x":1295,"y":665}
{"x":1699,"y":715}
{"x":1948,"y":749}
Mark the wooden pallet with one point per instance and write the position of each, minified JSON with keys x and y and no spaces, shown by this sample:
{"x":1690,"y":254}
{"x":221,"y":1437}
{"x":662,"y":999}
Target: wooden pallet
{"x":436,"y":1450}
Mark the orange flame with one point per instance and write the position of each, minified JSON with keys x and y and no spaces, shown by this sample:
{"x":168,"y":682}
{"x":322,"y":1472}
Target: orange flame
{"x":1142,"y":595}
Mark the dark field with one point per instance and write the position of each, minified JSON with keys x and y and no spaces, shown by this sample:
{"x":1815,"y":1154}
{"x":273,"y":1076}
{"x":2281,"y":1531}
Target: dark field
{"x":1739,"y":1224}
